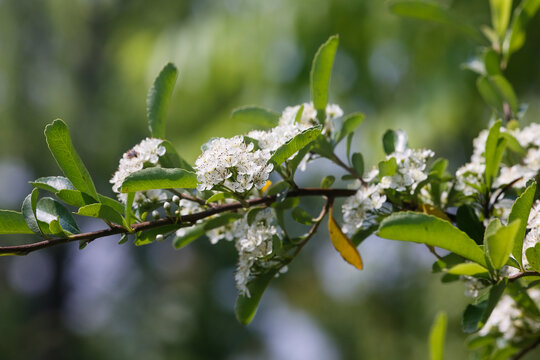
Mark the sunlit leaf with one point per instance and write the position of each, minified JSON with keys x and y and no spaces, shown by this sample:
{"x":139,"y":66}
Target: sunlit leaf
{"x":436,"y":337}
{"x":520,"y":211}
{"x":321,"y":70}
{"x":350,"y":123}
{"x":430,"y":230}
{"x":66,"y":156}
{"x":158,"y":99}
{"x":12,"y":222}
{"x":49,"y":210}
{"x":159,"y":178}
{"x":288,"y":149}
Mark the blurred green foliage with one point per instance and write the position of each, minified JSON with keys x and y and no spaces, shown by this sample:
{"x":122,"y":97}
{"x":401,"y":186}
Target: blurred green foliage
{"x":91,"y":63}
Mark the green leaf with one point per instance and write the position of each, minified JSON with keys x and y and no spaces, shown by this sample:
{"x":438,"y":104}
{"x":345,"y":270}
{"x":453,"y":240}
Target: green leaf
{"x":257,"y":116}
{"x":285,"y":151}
{"x":533,"y":257}
{"x":467,"y":221}
{"x":387,"y":167}
{"x":194,"y":232}
{"x":492,"y":62}
{"x":75,"y":197}
{"x":493,"y":153}
{"x":301,"y":216}
{"x":515,"y":38}
{"x":430,"y":230}
{"x":246,"y":306}
{"x":349,"y":143}
{"x":433,"y":12}
{"x":327,"y":181}
{"x":500,"y":15}
{"x":129,"y":207}
{"x":13,"y":222}
{"x":350,"y":123}
{"x":468,"y":269}
{"x":66,"y":156}
{"x":29,"y":211}
{"x":159,"y":178}
{"x":102,"y":211}
{"x":321,"y":70}
{"x":49,"y":210}
{"x":112,"y":203}
{"x":171,"y":159}
{"x":500,"y":245}
{"x":158,"y":99}
{"x":297,"y":159}
{"x":53,"y":183}
{"x":520,"y":211}
{"x":220,"y":196}
{"x":299,"y":113}
{"x":436,"y":337}
{"x":394,"y":141}
{"x":358,"y":163}
{"x":476,"y":315}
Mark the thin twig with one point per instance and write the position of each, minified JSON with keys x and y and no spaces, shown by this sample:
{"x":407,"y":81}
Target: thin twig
{"x":313,"y":229}
{"x":185,"y":196}
{"x":349,"y":169}
{"x":186,"y":219}
{"x":524,"y":352}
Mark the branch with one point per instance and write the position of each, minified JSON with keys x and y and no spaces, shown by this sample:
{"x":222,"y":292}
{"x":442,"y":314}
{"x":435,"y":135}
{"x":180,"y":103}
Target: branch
{"x":523,"y":274}
{"x":186,"y":220}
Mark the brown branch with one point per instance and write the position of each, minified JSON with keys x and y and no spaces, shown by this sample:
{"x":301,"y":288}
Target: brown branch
{"x":185,"y":220}
{"x":526,"y":350}
{"x":523,"y":274}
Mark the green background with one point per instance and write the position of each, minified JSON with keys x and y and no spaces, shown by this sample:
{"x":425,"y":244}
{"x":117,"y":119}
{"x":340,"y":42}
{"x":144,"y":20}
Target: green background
{"x":91,"y":63}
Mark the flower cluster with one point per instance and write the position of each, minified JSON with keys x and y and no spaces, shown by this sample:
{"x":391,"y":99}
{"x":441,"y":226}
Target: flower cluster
{"x":232,"y":163}
{"x":253,"y":242}
{"x":361,"y":208}
{"x":144,"y":154}
{"x":411,"y":169}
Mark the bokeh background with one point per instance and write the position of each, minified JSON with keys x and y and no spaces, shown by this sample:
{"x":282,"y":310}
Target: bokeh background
{"x":91,"y":63}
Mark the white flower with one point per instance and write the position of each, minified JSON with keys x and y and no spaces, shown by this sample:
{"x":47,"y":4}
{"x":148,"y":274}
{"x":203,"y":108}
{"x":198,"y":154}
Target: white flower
{"x":309,"y":116}
{"x":233,"y":163}
{"x":361,"y":207}
{"x":411,"y":166}
{"x":146,"y":153}
{"x":253,"y":243}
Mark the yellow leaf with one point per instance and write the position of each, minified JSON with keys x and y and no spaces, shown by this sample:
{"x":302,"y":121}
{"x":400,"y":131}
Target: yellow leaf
{"x":342,"y":243}
{"x":432,"y":210}
{"x":266,"y":186}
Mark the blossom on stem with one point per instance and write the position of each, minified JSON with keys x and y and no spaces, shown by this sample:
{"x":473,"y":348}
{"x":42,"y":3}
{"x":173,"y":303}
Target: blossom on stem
{"x":144,"y":154}
{"x":232,"y":163}
{"x":361,"y":207}
{"x":411,"y":166}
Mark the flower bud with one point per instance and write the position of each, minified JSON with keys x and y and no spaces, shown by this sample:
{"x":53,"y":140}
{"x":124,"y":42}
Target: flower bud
{"x":155,"y":214}
{"x":176,"y":199}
